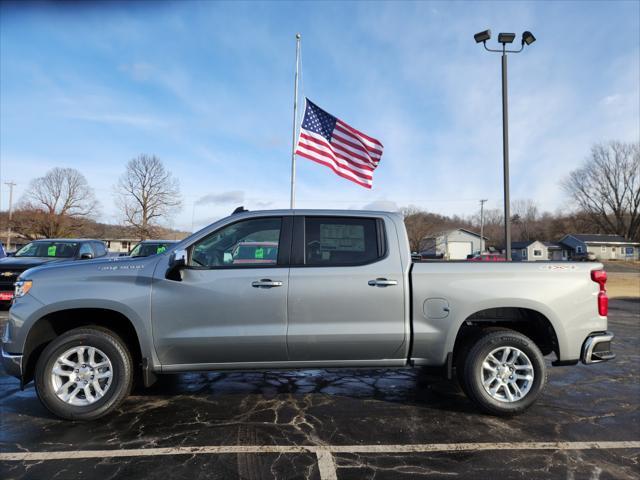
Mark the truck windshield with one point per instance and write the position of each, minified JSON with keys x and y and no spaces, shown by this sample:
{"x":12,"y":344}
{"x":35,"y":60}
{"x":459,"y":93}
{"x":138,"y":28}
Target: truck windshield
{"x":48,"y":249}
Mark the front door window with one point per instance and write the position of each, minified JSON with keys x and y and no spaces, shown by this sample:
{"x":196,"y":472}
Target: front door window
{"x":251,"y":243}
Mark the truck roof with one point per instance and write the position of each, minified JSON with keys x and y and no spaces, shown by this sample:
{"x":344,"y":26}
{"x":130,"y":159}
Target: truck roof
{"x":311,"y":211}
{"x":66,"y":240}
{"x":158,"y":241}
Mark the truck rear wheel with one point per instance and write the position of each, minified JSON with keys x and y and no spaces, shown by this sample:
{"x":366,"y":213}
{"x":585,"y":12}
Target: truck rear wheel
{"x":504,"y":372}
{"x":84,"y":374}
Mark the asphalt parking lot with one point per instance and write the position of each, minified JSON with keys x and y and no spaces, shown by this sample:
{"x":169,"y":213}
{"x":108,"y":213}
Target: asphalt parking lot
{"x":331,"y":424}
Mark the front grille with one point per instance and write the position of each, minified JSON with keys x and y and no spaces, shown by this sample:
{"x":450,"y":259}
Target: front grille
{"x":8,"y":277}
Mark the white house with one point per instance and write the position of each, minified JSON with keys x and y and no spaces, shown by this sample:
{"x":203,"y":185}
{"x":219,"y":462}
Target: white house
{"x":455,"y":244}
{"x":535,"y":250}
{"x":120,"y":245}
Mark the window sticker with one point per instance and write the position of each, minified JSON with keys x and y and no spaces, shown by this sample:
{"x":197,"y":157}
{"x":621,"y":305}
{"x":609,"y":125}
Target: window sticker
{"x":51,"y":251}
{"x":341,"y":238}
{"x":161,"y":249}
{"x":259,"y":253}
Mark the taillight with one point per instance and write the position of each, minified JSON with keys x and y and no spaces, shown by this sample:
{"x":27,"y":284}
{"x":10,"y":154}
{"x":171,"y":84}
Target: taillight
{"x":603,"y":304}
{"x":600,"y":277}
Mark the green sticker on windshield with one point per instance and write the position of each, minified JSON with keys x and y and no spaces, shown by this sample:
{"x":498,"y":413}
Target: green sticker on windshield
{"x":51,"y":251}
{"x":259,"y":253}
{"x":161,"y":249}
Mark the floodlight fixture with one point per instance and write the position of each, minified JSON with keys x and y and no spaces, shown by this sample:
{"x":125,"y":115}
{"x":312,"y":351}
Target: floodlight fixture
{"x":506,"y":37}
{"x":528,"y":38}
{"x":482,"y":36}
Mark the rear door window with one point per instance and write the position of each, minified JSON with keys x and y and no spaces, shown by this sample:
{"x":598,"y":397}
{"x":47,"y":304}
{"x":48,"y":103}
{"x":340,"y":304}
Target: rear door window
{"x":335,"y":241}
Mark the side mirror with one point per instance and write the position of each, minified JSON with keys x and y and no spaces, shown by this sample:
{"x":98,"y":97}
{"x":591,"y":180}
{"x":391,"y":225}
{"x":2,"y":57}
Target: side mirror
{"x":179,"y":258}
{"x":177,"y":261}
{"x":86,"y":256}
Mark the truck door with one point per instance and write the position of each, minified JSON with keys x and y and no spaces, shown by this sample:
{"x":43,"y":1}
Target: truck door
{"x":231,"y":302}
{"x":346,"y":290}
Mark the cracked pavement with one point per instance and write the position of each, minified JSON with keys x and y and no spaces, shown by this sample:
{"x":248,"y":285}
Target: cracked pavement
{"x":341,"y":408}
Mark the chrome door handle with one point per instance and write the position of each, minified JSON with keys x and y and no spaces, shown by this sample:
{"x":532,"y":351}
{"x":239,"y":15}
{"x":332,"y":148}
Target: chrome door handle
{"x":266,"y":283}
{"x":382,"y":282}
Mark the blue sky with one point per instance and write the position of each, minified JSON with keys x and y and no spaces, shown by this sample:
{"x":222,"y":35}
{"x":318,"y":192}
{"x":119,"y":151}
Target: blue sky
{"x":207,"y":87}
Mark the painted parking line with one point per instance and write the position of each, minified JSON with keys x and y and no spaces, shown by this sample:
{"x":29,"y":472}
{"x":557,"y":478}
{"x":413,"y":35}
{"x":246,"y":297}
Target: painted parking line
{"x":324,"y":453}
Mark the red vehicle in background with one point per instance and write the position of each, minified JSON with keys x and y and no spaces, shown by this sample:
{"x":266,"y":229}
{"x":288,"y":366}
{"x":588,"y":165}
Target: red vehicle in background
{"x":487,"y":257}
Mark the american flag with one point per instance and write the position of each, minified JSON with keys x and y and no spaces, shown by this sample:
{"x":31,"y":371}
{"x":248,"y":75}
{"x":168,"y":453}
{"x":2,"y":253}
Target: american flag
{"x":329,"y":141}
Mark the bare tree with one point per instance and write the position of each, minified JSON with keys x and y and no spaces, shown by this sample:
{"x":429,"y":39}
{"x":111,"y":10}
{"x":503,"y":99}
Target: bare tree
{"x":147,"y":192}
{"x":420,"y":224}
{"x":525,"y":218}
{"x":493,"y":226}
{"x":58,"y":200}
{"x":607,"y":187}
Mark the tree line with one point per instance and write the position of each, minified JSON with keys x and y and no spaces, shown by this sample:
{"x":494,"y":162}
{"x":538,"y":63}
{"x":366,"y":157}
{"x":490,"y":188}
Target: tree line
{"x":62,"y":204}
{"x":605,"y":188}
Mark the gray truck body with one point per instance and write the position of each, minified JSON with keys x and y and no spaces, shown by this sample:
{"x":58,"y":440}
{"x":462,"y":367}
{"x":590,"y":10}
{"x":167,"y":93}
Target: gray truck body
{"x":216,"y":318}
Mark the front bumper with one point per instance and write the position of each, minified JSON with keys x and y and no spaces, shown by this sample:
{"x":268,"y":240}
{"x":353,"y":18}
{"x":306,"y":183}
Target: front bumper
{"x":12,"y":363}
{"x":597,"y":348}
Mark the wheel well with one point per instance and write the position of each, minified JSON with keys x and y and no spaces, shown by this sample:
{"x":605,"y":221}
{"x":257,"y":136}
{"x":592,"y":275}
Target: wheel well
{"x":55,"y":324}
{"x":524,"y":320}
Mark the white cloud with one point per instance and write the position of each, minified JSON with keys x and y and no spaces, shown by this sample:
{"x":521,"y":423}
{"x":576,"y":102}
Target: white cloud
{"x":234,"y":197}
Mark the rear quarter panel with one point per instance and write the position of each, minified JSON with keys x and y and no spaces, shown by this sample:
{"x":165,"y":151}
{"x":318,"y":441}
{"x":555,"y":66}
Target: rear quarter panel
{"x":563,"y":292}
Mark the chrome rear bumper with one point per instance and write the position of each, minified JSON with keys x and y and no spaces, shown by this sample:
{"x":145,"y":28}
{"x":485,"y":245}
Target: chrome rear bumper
{"x":597,"y":348}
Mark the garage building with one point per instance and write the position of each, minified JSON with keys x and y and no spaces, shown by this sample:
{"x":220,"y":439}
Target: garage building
{"x":455,"y":244}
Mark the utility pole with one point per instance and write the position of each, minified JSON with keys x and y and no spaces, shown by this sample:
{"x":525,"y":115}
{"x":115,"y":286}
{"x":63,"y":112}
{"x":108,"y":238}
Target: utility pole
{"x":10,"y":185}
{"x":482,"y":202}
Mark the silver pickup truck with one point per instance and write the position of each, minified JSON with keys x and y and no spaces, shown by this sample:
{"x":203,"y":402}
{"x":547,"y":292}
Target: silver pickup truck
{"x":300,"y":289}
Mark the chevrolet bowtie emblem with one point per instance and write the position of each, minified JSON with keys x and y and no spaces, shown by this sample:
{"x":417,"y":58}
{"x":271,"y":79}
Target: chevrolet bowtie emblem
{"x":7,"y":274}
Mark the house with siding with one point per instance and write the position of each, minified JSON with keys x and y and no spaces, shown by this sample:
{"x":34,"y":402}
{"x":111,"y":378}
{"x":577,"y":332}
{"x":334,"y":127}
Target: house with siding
{"x":535,"y":251}
{"x":556,"y":251}
{"x":120,"y":245}
{"x":604,"y":247}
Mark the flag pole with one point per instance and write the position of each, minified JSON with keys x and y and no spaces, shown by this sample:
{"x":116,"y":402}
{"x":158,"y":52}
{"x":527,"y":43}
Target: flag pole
{"x":295,"y":117}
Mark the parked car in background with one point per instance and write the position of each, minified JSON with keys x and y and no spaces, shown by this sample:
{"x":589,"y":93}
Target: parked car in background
{"x":255,"y":253}
{"x":584,"y":257}
{"x":42,"y":252}
{"x":151,"y":247}
{"x":487,"y":257}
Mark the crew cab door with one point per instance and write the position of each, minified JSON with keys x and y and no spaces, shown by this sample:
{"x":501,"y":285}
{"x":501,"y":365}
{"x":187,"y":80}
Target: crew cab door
{"x":230,"y":304}
{"x":346,"y":291}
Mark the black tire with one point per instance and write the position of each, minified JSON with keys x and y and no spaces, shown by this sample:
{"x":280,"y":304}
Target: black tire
{"x":121,"y":379}
{"x":472,"y":374}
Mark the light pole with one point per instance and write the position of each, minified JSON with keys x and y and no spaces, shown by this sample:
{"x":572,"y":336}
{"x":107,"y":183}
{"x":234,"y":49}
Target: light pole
{"x":504,"y":38}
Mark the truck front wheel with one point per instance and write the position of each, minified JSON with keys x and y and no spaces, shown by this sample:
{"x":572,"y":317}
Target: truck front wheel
{"x":84,"y":374}
{"x":504,"y":372}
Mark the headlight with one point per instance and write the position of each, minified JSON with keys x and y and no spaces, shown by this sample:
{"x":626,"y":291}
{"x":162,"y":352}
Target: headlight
{"x":22,"y":288}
